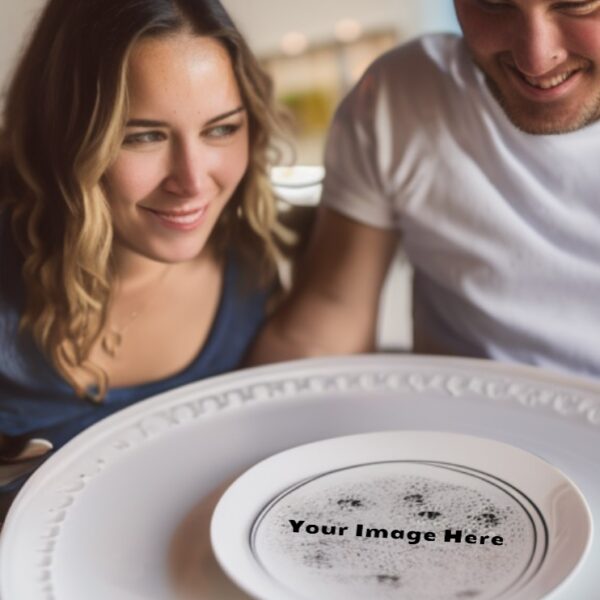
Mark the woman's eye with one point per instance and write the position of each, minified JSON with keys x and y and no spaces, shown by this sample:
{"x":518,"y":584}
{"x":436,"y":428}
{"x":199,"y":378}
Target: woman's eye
{"x":146,"y":137}
{"x":222,"y":131}
{"x":579,"y":8}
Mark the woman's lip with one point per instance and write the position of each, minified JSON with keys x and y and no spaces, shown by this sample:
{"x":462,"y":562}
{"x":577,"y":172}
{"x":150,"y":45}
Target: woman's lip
{"x":549,"y":94}
{"x":175,"y":213}
{"x":183,"y":220}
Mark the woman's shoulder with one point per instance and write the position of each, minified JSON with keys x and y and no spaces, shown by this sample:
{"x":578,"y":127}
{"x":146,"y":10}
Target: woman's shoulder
{"x":245,"y":292}
{"x":245,"y":280}
{"x":241,"y":312}
{"x":11,"y":288}
{"x":20,"y":361}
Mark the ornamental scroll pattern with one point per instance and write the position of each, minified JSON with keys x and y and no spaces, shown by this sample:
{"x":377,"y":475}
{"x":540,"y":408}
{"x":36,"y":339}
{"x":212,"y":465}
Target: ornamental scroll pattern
{"x":568,"y":403}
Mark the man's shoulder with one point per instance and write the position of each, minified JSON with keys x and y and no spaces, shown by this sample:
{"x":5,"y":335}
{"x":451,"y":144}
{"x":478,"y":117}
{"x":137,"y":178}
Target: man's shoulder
{"x":439,"y":54}
{"x":428,"y":76}
{"x":434,"y":67}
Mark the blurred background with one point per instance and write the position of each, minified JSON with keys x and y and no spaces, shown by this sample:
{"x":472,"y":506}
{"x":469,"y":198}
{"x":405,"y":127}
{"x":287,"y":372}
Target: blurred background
{"x":315,"y":50}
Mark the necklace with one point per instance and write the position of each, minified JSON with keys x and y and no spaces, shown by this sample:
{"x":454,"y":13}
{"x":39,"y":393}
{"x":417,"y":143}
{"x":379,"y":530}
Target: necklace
{"x":112,"y":337}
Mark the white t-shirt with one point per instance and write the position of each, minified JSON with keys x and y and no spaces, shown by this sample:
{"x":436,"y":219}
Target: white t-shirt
{"x":501,"y":227}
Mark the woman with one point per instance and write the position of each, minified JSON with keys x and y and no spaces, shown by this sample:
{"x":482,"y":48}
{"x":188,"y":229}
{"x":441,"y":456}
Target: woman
{"x":136,"y":214}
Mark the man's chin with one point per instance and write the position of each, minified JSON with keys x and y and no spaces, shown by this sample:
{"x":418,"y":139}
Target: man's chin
{"x":548,"y":122}
{"x":536,"y":125}
{"x":544,"y":119}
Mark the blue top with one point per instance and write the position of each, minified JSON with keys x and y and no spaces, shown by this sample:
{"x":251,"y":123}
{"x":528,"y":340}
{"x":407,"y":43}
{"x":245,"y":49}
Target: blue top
{"x":36,"y":401}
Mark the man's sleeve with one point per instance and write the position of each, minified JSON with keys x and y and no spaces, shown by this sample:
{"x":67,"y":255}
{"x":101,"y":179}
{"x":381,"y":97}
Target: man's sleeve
{"x":356,"y":155}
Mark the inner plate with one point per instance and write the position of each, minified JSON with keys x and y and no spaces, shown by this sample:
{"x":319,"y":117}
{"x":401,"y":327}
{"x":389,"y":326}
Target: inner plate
{"x":383,"y":516}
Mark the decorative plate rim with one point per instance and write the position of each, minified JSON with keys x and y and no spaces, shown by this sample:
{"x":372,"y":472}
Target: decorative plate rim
{"x":563,"y":395}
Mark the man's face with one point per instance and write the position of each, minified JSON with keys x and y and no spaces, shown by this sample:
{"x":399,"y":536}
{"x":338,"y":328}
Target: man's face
{"x":541,"y":59}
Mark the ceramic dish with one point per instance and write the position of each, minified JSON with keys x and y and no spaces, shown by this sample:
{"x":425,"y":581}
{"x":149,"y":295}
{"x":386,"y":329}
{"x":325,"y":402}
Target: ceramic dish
{"x":401,"y":515}
{"x":299,"y":185}
{"x":123,"y":510}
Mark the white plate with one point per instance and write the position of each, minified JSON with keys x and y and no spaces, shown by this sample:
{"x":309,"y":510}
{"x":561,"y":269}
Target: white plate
{"x":297,"y":176}
{"x":122,"y":511}
{"x":332,"y":519}
{"x":299,"y":185}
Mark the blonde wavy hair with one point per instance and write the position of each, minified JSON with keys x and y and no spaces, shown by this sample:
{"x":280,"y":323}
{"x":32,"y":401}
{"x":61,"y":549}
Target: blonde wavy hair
{"x":63,"y":125}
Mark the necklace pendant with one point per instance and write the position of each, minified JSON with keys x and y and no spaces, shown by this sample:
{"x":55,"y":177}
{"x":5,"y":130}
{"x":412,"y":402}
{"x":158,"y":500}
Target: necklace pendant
{"x":111,"y":342}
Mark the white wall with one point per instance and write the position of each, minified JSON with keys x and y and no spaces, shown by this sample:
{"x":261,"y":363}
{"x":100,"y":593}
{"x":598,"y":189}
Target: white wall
{"x":263,"y":21}
{"x":16,"y":18}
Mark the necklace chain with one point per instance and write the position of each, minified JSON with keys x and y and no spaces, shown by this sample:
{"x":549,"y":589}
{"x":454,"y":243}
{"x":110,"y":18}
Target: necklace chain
{"x":112,"y":337}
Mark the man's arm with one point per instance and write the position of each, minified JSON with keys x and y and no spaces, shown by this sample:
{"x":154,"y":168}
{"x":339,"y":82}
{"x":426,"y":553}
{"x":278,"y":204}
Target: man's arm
{"x":333,"y":306}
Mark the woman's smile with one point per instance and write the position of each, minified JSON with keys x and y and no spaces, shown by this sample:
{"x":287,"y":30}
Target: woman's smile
{"x":179,"y":220}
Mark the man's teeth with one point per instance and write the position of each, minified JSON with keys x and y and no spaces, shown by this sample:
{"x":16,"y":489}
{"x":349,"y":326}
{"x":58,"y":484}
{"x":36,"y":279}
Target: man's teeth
{"x":546,"y":84}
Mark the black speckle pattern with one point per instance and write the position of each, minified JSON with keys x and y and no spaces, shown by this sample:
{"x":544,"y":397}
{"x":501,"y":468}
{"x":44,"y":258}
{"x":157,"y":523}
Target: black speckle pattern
{"x":317,"y":560}
{"x":413,"y":497}
{"x":350,"y":503}
{"x":488,"y":519}
{"x":389,"y":580}
{"x":432,"y":515}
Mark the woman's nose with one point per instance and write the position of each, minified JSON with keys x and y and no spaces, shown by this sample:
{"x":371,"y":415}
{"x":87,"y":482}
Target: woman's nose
{"x":538,"y":45}
{"x":188,"y":171}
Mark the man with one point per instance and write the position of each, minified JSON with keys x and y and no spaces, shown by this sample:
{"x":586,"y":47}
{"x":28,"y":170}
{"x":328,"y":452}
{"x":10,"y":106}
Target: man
{"x":482,"y":155}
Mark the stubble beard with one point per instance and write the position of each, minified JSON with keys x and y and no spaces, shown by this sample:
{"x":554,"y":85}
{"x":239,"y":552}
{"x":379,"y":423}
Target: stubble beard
{"x":533,"y":122}
{"x":530,"y":120}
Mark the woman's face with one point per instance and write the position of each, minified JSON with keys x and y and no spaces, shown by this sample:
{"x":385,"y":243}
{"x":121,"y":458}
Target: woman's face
{"x":184,"y":152}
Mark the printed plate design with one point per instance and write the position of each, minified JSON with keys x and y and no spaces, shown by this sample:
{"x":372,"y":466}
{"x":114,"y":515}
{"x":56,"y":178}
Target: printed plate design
{"x":367,"y":519}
